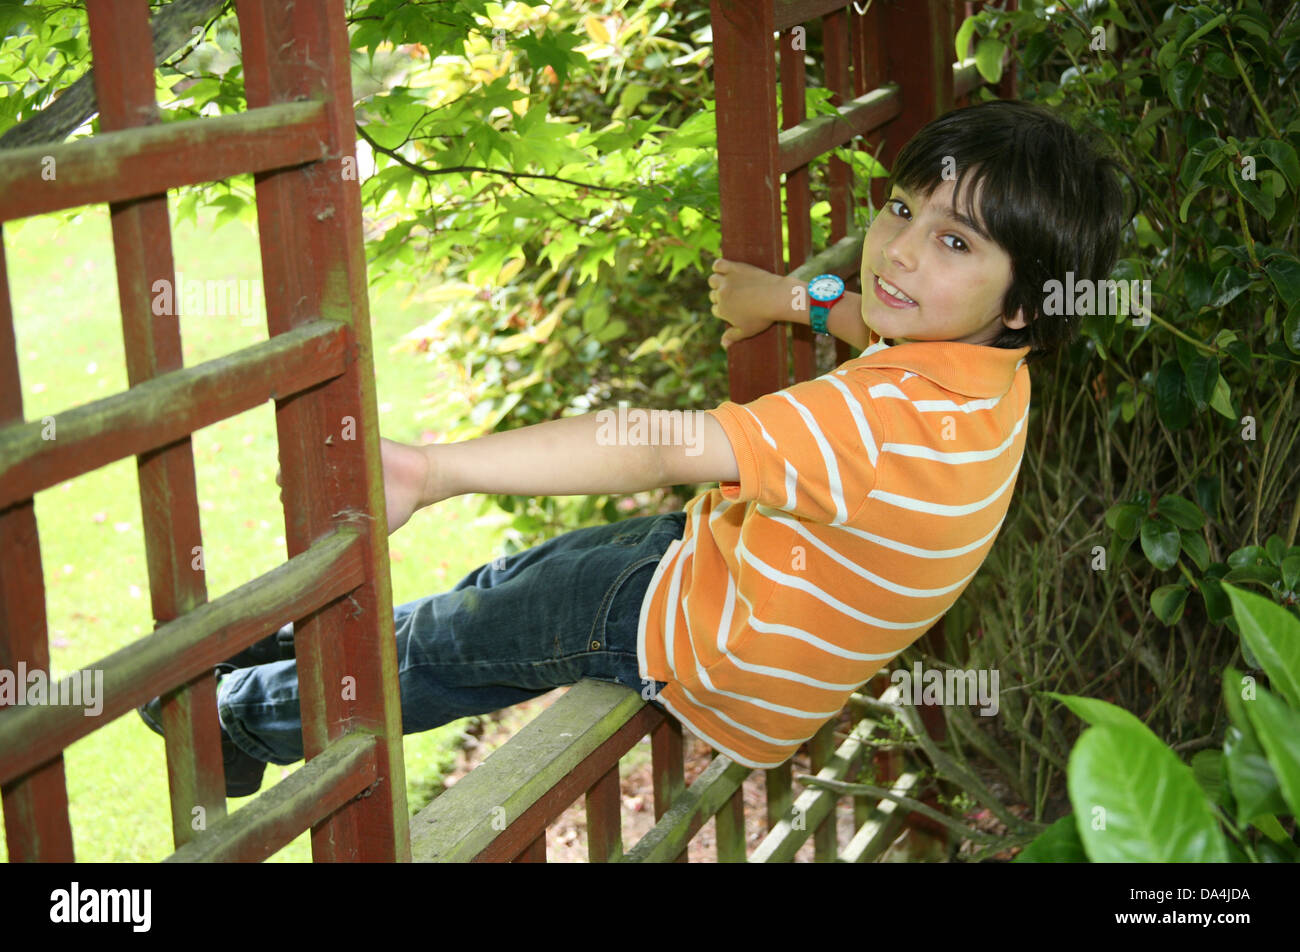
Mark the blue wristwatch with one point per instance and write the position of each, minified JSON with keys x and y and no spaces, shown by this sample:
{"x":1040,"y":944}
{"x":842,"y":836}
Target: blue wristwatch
{"x":825,"y":290}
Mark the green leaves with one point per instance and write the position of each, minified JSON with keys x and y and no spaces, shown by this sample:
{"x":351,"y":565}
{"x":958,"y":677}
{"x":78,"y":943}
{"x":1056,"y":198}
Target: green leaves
{"x":964,"y":34}
{"x":1134,"y":799}
{"x":1172,"y":402}
{"x":555,"y":49}
{"x":1167,"y":602}
{"x":1284,"y":157}
{"x":1273,"y":635}
{"x":1182,"y":83}
{"x":1278,"y":729}
{"x":1228,"y":283}
{"x":1059,"y":843}
{"x":1284,"y":272}
{"x":988,"y":58}
{"x":1160,"y":542}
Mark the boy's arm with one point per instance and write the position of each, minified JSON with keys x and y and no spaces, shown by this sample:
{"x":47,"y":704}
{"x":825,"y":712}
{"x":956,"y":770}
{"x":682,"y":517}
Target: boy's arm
{"x":750,"y":299}
{"x":844,"y":320}
{"x":581,"y":455}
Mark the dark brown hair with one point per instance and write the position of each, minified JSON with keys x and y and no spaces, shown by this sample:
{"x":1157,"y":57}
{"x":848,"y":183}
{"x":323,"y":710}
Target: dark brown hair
{"x":1045,"y":194}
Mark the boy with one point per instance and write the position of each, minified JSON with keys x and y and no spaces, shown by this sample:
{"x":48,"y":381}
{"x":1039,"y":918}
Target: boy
{"x":852,"y":509}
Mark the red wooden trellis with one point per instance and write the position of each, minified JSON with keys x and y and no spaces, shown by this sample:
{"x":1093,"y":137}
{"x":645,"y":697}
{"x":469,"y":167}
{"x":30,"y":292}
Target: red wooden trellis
{"x":297,"y":139}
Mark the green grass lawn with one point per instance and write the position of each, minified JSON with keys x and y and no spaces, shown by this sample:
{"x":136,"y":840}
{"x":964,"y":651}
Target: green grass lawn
{"x":70,"y":350}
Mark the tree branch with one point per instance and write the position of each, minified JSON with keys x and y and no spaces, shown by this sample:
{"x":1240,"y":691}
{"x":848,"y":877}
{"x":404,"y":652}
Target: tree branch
{"x":505,"y":173}
{"x":172,"y":26}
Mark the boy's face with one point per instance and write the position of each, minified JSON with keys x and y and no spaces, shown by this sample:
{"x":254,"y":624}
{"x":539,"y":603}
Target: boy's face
{"x":955,"y":276}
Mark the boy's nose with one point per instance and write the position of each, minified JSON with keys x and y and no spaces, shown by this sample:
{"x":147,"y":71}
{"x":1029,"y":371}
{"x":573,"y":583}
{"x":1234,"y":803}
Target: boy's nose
{"x":901,"y":250}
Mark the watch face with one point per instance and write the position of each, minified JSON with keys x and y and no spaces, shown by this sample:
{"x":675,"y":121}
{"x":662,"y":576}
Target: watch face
{"x":825,"y":287}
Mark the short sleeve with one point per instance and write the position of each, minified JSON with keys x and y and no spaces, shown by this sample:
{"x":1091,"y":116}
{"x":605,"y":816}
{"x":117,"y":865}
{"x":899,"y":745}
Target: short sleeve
{"x":810,"y":449}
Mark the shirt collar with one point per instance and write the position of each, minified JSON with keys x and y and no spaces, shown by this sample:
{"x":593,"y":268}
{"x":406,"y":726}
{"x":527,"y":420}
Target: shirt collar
{"x":974,"y":370}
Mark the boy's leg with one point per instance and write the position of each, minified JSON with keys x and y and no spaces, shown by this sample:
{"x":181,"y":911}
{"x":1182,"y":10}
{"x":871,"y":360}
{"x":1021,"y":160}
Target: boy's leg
{"x":509,"y":631}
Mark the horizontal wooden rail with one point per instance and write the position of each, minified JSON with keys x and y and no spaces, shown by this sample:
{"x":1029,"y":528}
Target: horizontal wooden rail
{"x":277,"y":817}
{"x":793,"y":12}
{"x":188,"y":647}
{"x":149,"y":160}
{"x":167,"y":408}
{"x":843,"y":258}
{"x":815,"y":804}
{"x":462,"y":823}
{"x":801,"y":144}
{"x":583,"y":779}
{"x":882,"y":827}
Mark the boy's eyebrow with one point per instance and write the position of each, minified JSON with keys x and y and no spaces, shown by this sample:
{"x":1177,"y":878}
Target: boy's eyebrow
{"x":962,"y":219}
{"x":953,"y":215}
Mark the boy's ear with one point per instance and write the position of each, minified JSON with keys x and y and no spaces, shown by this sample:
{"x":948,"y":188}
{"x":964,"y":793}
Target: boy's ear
{"x":1017,"y":321}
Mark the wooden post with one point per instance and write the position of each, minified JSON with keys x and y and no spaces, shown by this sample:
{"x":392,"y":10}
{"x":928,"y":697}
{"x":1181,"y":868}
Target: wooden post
{"x":604,"y":818}
{"x":667,"y":760}
{"x":744,"y":68}
{"x":37,"y":827}
{"x":309,"y":224}
{"x":122,"y":46}
{"x":821,"y":749}
{"x":729,"y":825}
{"x":918,"y":56}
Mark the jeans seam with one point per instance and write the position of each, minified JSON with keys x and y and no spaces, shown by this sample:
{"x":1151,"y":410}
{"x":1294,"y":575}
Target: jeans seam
{"x":601,"y":621}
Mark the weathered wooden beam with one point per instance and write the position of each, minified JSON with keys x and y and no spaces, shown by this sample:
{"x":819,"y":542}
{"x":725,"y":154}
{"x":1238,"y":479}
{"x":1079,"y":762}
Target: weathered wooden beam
{"x":37,"y":828}
{"x":310,"y":231}
{"x":790,"y":13}
{"x":701,"y":800}
{"x":43,"y":453}
{"x":798,"y":191}
{"x":835,"y":49}
{"x":918,"y":57}
{"x":581,"y":779}
{"x":535,"y":852}
{"x":148,"y":160}
{"x":667,"y":763}
{"x":882,"y":826}
{"x":819,"y":134}
{"x":181,"y":650}
{"x":169,"y":506}
{"x":749,"y":179}
{"x":825,"y":828}
{"x":842,"y":258}
{"x":813,"y":806}
{"x":465,"y":821}
{"x":779,"y":790}
{"x":277,"y":817}
{"x":604,"y":819}
{"x":729,"y":825}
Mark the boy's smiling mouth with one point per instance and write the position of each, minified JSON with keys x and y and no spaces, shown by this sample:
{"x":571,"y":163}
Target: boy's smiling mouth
{"x":891,"y":294}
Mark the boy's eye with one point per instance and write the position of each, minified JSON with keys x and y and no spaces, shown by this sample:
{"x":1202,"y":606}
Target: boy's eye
{"x":958,"y":245}
{"x":899,"y":203}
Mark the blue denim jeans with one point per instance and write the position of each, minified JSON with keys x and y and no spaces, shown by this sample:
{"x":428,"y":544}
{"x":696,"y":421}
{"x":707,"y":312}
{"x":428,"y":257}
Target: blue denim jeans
{"x":510,"y":630}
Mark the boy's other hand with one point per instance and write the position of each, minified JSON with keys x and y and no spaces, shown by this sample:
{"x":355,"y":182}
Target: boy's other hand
{"x":406,"y":480}
{"x":749,"y":299}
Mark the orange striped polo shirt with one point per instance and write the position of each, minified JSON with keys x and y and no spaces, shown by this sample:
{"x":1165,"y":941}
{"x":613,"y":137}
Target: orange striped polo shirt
{"x":868,"y":498}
